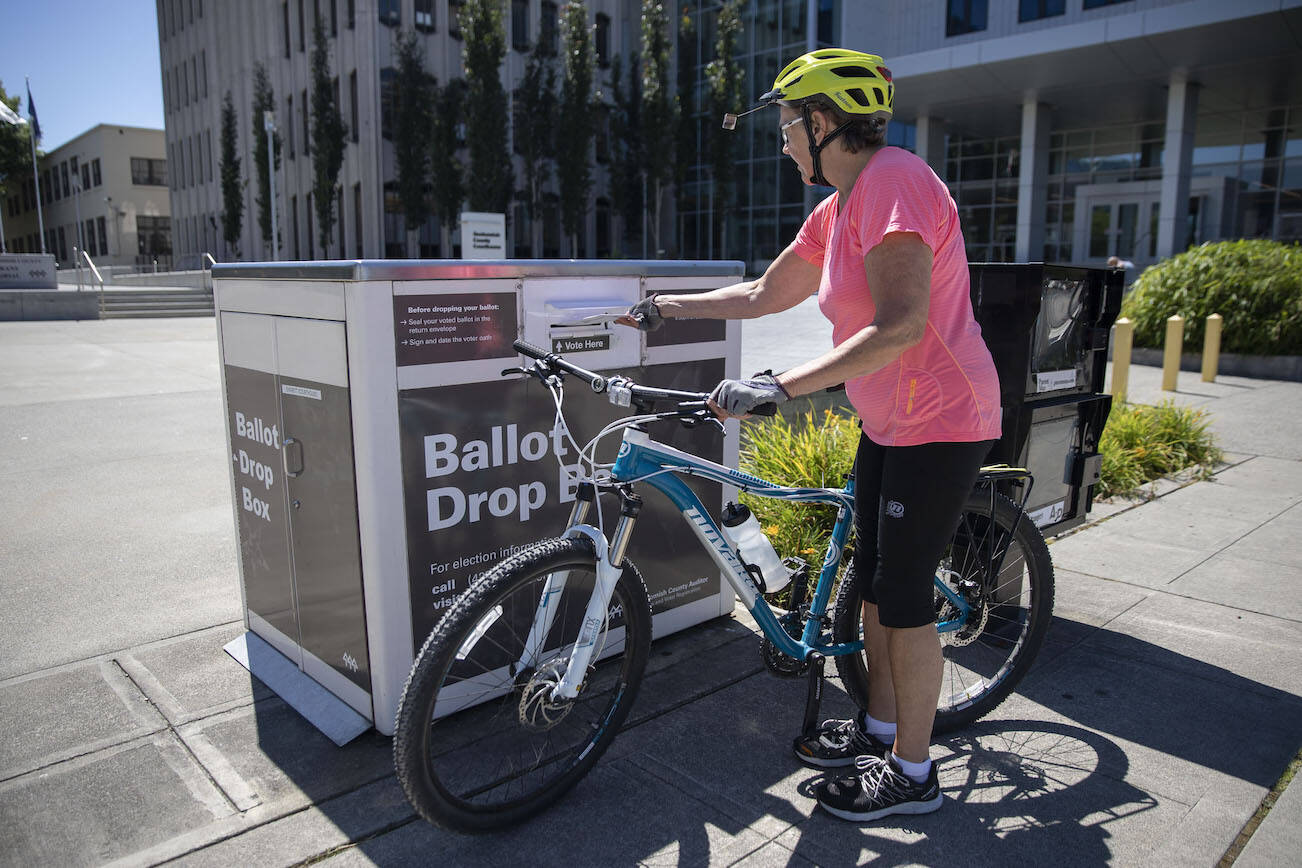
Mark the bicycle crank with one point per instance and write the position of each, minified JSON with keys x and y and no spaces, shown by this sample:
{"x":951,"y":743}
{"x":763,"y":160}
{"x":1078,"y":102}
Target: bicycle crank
{"x":783,"y":665}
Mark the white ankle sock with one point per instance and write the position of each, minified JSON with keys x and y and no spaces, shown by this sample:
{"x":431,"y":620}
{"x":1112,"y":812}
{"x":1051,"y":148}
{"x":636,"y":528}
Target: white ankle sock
{"x":879,"y":729}
{"x":917,"y":772}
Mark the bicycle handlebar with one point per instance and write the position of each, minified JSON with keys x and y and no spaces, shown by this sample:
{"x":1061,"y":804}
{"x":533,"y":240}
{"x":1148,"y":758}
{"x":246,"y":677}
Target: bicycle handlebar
{"x":639,"y":394}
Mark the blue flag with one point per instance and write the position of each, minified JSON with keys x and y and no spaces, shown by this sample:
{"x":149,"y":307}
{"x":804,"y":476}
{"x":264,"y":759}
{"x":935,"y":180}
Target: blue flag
{"x":31,"y":116}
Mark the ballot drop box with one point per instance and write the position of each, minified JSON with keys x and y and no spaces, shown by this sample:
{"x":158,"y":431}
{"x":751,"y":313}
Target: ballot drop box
{"x":380,"y":461}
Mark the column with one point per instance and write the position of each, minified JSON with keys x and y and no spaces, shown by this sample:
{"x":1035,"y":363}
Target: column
{"x":930,"y":142}
{"x":1032,"y":181}
{"x":1181,"y":111}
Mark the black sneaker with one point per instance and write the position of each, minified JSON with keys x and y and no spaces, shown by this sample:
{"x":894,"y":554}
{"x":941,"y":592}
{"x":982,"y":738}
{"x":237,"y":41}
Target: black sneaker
{"x":837,"y":743}
{"x":878,"y":789}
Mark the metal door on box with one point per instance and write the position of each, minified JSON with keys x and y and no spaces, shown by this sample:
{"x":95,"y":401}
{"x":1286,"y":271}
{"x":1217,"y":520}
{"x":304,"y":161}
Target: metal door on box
{"x":290,"y":428}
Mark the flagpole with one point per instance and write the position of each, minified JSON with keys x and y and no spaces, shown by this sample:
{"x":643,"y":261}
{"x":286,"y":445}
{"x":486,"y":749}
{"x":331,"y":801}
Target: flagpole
{"x":36,"y":172}
{"x":40,"y":218}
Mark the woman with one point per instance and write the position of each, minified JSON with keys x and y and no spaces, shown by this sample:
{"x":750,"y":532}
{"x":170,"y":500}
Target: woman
{"x":885,"y":255}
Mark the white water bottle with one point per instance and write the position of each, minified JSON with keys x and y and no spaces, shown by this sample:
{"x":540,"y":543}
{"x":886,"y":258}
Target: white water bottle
{"x":743,"y":532}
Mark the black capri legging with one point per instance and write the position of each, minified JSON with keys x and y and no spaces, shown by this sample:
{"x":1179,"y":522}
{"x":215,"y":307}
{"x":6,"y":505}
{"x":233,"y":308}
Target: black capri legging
{"x":907,"y":502}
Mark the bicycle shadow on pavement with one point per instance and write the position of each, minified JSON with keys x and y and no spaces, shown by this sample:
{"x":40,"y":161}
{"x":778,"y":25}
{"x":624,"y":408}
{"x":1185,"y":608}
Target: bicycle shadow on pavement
{"x":1108,"y":744}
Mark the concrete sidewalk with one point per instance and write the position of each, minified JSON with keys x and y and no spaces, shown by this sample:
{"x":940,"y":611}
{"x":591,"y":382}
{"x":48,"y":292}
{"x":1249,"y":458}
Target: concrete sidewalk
{"x":1164,"y":706}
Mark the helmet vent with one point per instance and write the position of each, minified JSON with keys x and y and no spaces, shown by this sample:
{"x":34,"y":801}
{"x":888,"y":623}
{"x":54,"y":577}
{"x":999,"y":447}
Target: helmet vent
{"x":857,"y":94}
{"x":881,"y":97}
{"x":853,"y":72}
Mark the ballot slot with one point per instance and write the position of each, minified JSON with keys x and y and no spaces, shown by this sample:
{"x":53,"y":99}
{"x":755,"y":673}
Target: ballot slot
{"x":576,"y":317}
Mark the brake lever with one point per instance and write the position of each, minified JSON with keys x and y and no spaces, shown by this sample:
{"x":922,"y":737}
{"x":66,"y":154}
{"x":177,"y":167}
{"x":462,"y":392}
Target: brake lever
{"x":506,"y":371}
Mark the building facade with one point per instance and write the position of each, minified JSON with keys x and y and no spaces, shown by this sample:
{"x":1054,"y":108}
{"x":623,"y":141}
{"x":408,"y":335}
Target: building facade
{"x":1076,"y":130}
{"x":210,"y":49}
{"x":104,"y":192}
{"x":1067,"y":130}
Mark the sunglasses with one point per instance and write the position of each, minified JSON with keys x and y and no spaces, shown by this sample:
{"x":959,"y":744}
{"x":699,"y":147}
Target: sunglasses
{"x":783,"y":129}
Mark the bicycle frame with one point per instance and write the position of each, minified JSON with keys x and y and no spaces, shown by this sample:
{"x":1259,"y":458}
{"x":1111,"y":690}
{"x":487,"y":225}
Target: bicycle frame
{"x":643,"y":459}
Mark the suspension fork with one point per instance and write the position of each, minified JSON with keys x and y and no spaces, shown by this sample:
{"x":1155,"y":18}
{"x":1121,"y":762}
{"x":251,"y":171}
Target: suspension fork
{"x":545,"y":614}
{"x":610,"y":564}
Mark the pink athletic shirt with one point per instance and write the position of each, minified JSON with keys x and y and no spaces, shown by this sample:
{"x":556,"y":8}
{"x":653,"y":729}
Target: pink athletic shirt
{"x":944,"y":388}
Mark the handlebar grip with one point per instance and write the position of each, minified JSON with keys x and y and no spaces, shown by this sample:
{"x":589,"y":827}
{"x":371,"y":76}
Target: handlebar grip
{"x":769,"y":409}
{"x":527,"y":349}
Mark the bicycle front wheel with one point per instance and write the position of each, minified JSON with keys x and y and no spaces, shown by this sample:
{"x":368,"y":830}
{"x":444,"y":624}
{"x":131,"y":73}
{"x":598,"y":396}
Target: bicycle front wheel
{"x":989,"y":649}
{"x":480,"y":742}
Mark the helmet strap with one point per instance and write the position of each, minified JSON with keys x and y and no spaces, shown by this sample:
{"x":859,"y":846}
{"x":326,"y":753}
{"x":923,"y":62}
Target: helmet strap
{"x":816,"y":148}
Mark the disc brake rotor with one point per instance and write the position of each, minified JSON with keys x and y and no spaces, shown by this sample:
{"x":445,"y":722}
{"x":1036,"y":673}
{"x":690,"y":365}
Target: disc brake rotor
{"x":540,"y":710}
{"x":975,"y":622}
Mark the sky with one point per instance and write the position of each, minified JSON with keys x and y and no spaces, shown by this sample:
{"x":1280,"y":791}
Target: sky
{"x":89,"y":61}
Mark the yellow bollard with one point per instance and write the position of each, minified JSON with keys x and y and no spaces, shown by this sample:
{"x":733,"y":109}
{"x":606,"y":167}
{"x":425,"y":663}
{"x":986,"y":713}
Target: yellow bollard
{"x":1212,"y":348}
{"x":1171,"y":352}
{"x":1125,"y":339}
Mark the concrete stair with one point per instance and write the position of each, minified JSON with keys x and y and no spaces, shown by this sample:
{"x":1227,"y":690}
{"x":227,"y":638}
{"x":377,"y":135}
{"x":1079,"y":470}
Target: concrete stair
{"x":123,"y":303}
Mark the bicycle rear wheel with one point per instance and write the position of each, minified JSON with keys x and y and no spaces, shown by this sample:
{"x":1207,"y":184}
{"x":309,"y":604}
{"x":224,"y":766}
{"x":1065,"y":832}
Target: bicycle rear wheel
{"x":997,"y":641}
{"x":479,"y":743}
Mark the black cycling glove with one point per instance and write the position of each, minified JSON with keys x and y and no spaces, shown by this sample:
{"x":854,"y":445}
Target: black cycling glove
{"x":646,"y":313}
{"x":740,"y":397}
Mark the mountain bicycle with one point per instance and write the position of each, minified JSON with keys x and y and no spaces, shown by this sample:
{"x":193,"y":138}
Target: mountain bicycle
{"x":539,"y":661}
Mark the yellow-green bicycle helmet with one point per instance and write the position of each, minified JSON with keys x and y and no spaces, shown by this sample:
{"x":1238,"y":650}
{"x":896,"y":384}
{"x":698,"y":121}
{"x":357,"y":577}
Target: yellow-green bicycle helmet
{"x":857,"y":83}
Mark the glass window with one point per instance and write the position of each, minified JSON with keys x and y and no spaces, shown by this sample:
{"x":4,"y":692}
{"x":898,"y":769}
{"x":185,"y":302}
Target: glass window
{"x":302,"y":28}
{"x":63,"y":172}
{"x":424,"y":15}
{"x":1099,"y":4}
{"x":289,"y":124}
{"x":388,"y":86}
{"x":357,"y":219}
{"x":454,"y":18}
{"x":307,"y":139}
{"x":352,"y":101}
{"x":1034,"y":10}
{"x":390,"y":16}
{"x":334,"y":27}
{"x":101,"y":231}
{"x":547,"y":29}
{"x":520,"y":25}
{"x":1100,"y":215}
{"x":965,"y":16}
{"x":602,"y":39}
{"x":352,"y":14}
{"x":284,"y":14}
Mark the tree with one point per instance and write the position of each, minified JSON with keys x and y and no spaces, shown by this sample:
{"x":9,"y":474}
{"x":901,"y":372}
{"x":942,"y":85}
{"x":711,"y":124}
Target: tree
{"x":574,"y":169}
{"x":328,"y":135}
{"x":232,"y":186}
{"x":659,"y":107}
{"x":725,"y":76}
{"x":412,"y":123}
{"x":627,"y":154}
{"x":449,"y":176}
{"x":15,"y":149}
{"x":491,"y":175}
{"x":535,"y":122}
{"x":264,"y":100}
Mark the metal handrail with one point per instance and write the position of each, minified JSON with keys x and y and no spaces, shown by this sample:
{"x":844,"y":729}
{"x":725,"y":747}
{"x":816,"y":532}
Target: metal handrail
{"x":212,"y":262}
{"x":98,"y":276}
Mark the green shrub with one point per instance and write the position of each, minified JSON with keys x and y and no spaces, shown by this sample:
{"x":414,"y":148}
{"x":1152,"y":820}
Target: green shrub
{"x":1255,"y":285}
{"x":1139,"y":444}
{"x":818,"y":452}
{"x":1142,"y":443}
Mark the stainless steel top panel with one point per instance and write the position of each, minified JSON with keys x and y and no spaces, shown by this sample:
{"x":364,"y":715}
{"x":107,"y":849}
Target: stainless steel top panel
{"x":448,"y":269}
